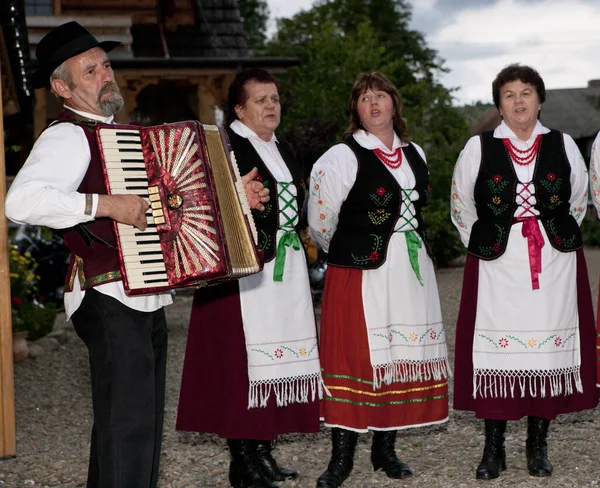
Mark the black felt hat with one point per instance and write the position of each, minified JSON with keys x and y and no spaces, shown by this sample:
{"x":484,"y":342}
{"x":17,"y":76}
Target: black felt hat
{"x":60,"y":44}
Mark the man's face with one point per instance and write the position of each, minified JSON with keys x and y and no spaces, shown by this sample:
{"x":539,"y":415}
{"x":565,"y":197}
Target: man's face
{"x":93,"y":88}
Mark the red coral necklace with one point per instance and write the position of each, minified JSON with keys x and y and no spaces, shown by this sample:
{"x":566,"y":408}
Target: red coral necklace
{"x":523,"y":157}
{"x":393,"y":160}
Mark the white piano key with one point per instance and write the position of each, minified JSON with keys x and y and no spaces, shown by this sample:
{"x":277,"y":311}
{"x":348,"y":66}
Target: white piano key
{"x":137,"y":274}
{"x":120,"y":144}
{"x":135,"y":251}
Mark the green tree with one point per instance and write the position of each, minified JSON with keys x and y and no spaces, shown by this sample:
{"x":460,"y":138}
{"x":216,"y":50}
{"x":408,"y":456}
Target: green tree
{"x":255,"y":15}
{"x":336,"y":40}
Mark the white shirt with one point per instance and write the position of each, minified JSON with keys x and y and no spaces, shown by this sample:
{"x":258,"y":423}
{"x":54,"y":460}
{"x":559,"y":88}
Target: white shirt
{"x":44,"y":192}
{"x":595,"y":173}
{"x":267,"y":150}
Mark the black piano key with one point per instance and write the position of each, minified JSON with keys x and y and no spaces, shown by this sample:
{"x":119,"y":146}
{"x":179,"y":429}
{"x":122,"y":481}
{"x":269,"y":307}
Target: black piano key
{"x":151,"y":261}
{"x":139,"y":243}
{"x":163,"y":280}
{"x":136,"y":180}
{"x":130,"y":150}
{"x":149,"y":253}
{"x":150,"y":273}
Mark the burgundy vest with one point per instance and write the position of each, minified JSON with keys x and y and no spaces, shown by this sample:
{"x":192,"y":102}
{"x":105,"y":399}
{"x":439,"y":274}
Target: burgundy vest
{"x":93,"y":263}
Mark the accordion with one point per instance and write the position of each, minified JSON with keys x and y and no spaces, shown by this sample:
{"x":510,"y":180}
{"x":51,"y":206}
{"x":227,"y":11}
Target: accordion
{"x":200,"y":228}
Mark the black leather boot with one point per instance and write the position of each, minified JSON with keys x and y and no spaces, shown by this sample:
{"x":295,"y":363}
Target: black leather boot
{"x":270,"y":468}
{"x":494,"y":454}
{"x":383,"y":455}
{"x":342,"y":458}
{"x":537,"y":447}
{"x":245,"y":470}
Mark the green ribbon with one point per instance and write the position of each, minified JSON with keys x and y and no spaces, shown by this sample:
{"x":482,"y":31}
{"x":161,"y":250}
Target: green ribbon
{"x":414,"y":244}
{"x":289,"y":238}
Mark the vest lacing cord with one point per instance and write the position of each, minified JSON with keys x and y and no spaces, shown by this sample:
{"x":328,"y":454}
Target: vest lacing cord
{"x":290,"y":236}
{"x":413,"y":242}
{"x":531,"y":230}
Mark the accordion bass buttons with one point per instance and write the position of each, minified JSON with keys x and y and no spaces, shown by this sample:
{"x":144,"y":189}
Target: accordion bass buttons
{"x":156,"y":205}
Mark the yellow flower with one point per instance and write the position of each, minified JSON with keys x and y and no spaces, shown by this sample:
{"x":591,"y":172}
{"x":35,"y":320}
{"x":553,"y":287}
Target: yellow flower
{"x":496,"y":200}
{"x":532,"y":342}
{"x":302,"y":351}
{"x":413,"y":337}
{"x":554,"y":199}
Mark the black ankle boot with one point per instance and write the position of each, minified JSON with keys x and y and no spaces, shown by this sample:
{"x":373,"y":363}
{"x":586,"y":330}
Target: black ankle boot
{"x":245,"y":470}
{"x":494,"y":454}
{"x":537,"y":448}
{"x":383,"y":455}
{"x":342,"y":458}
{"x":270,"y":468}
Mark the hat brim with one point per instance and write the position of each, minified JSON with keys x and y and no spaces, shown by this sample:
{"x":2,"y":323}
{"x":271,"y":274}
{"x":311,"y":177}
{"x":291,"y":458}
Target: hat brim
{"x":40,"y":78}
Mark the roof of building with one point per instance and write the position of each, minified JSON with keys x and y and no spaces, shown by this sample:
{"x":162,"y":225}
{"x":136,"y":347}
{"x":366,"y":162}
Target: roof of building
{"x":217,"y":33}
{"x":575,"y":111}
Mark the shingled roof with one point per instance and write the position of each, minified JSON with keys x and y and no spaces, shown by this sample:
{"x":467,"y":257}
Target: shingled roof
{"x":217,"y":33}
{"x":575,"y":111}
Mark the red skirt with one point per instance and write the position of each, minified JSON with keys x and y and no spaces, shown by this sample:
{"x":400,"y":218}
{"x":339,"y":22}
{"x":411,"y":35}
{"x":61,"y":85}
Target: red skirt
{"x":214,"y":385}
{"x":517,"y":408}
{"x":348,"y":374}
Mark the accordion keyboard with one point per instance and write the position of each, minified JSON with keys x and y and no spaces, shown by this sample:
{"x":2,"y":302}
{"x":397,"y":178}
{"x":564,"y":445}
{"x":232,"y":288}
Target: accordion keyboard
{"x":126,"y":174}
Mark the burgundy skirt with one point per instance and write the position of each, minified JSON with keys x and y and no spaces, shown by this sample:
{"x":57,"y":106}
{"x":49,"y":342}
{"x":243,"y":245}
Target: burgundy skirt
{"x":517,"y":408}
{"x":214,"y":386}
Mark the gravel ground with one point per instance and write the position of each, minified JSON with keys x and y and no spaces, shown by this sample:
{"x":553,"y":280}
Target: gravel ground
{"x":53,"y":411}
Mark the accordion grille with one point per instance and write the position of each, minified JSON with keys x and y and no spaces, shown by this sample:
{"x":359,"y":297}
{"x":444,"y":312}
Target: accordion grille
{"x":240,"y":247}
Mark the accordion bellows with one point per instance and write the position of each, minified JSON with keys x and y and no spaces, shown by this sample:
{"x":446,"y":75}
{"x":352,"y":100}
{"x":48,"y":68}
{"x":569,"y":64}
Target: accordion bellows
{"x":200,"y":228}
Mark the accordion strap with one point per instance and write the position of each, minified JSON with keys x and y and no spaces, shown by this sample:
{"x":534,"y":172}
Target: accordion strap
{"x":89,"y":237}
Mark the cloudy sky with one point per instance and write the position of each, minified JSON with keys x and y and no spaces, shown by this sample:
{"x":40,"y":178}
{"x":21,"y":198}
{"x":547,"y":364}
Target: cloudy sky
{"x":477,"y":38}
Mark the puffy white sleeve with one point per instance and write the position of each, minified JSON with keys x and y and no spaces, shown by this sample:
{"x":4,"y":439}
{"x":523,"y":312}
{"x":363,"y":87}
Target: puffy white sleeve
{"x":331,"y":179}
{"x":579,"y":179}
{"x":462,"y":202}
{"x":595,"y":174}
{"x":44,"y":192}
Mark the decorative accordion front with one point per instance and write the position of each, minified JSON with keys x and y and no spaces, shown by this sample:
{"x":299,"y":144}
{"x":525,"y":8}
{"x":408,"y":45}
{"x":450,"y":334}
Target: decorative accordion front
{"x":200,"y":230}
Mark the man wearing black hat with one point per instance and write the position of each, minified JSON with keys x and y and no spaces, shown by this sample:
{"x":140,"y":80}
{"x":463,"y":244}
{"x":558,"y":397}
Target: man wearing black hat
{"x":61,"y":186}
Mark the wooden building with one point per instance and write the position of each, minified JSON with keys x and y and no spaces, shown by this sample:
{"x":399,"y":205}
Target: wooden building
{"x":176,"y":60}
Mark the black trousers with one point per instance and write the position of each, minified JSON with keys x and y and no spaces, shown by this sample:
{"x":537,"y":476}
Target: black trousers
{"x":128,"y":352}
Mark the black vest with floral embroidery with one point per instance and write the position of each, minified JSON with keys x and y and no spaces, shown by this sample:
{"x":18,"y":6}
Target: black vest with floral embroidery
{"x":369,"y":214}
{"x":495,"y":196}
{"x":267,"y":221}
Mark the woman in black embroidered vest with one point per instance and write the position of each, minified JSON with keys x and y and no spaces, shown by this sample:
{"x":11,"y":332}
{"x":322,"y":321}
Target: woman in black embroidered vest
{"x":383,"y":349}
{"x":595,"y":186}
{"x":525,"y":332}
{"x":251,"y":369}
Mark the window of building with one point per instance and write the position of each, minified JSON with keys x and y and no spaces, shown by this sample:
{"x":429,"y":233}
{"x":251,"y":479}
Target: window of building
{"x":38,"y":7}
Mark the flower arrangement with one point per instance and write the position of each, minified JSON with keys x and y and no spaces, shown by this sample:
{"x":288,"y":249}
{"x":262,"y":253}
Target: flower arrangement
{"x":29,"y":311}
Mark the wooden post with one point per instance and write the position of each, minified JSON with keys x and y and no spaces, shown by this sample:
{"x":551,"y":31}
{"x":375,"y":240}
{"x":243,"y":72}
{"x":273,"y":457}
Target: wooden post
{"x":206,"y":104}
{"x":40,"y":116}
{"x":7,"y":393}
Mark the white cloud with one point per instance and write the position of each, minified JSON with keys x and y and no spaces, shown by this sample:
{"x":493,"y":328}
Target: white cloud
{"x":559,"y":38}
{"x":555,"y":37}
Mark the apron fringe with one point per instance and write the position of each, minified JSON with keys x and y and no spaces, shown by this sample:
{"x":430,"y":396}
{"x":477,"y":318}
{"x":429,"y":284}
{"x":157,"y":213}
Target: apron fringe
{"x":503,"y":384}
{"x":303,"y":389}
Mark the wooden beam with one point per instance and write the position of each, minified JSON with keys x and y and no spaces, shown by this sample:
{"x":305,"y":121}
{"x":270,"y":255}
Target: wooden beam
{"x":7,"y":393}
{"x":206,"y":104}
{"x":40,"y":115}
{"x":56,"y":7}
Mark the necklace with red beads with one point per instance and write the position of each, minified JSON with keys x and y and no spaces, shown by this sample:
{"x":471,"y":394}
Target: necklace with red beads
{"x":393,"y":160}
{"x":523,"y":157}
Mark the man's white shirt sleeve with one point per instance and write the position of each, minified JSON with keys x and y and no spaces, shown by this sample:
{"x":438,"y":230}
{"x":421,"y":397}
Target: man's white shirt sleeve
{"x":45,"y":190}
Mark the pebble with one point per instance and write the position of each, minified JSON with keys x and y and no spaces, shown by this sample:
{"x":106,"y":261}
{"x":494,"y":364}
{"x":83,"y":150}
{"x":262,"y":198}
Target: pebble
{"x":54,"y":418}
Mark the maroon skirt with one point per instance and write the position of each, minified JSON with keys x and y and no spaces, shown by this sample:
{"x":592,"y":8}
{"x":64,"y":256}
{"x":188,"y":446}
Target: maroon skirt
{"x":214,"y":385}
{"x":517,"y":408}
